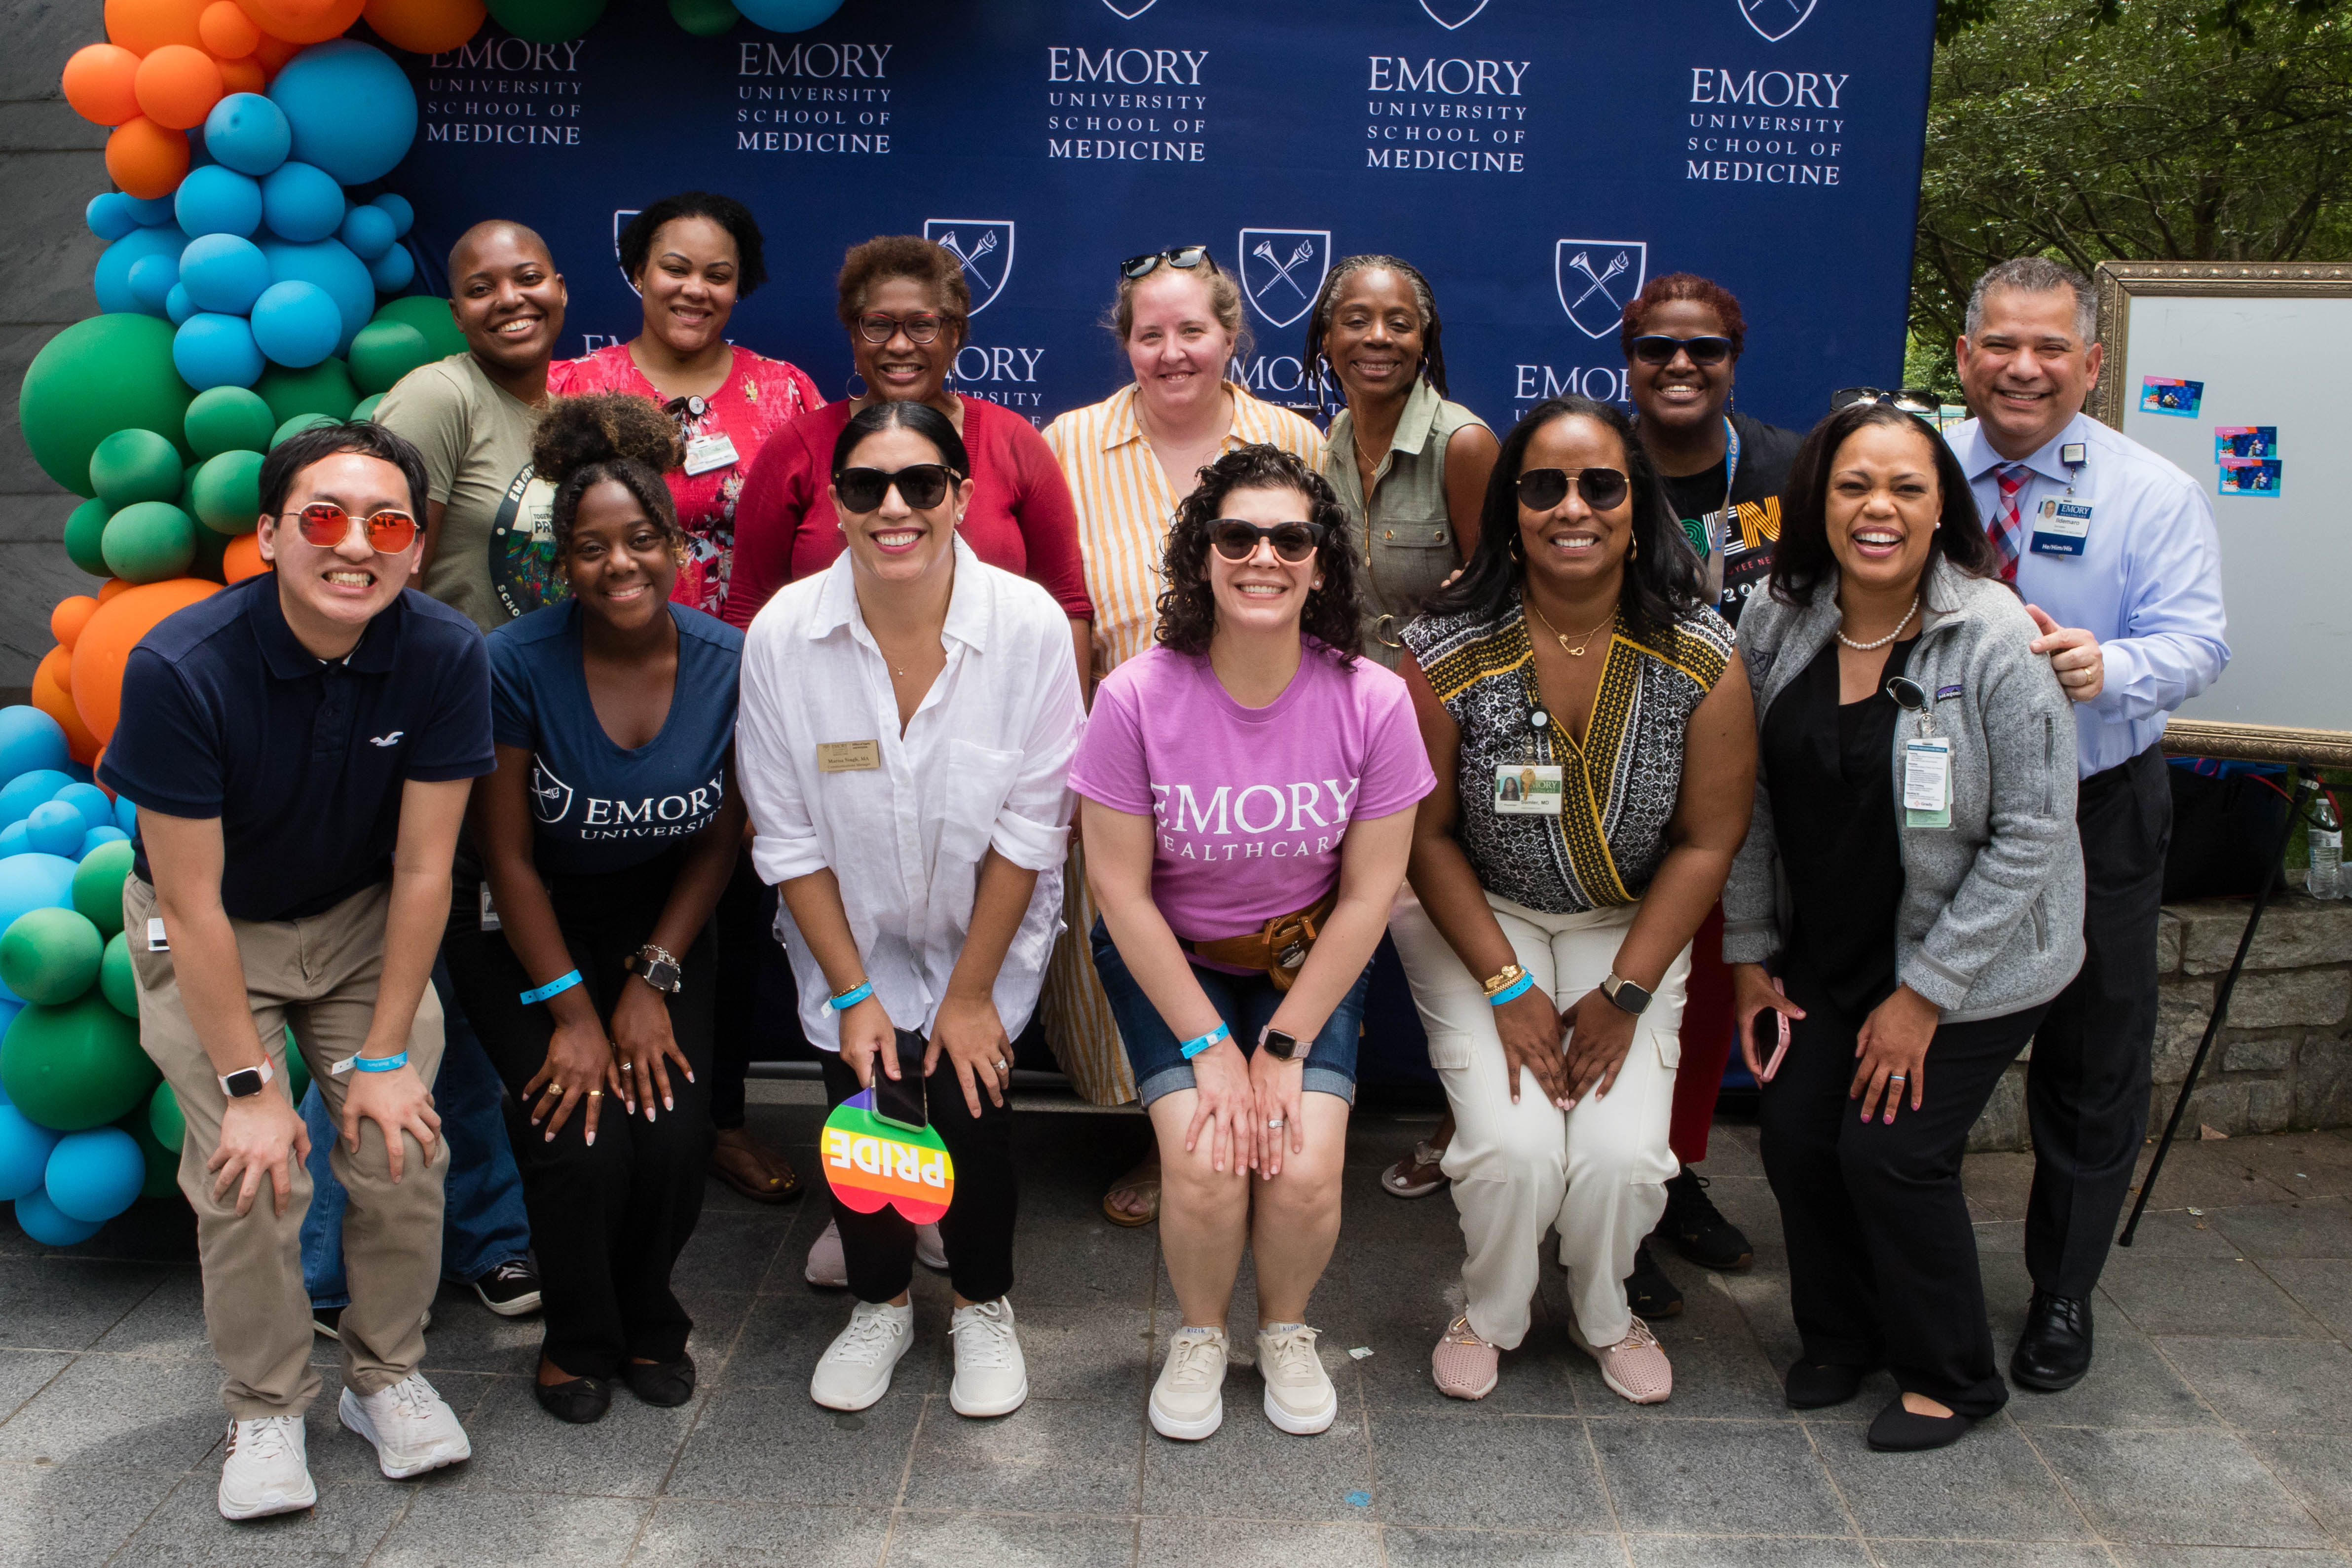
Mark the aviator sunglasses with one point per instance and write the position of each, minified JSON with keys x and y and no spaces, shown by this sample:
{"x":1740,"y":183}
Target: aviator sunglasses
{"x":1656,"y":348}
{"x":327,"y":525}
{"x":921,"y":486}
{"x":1175,"y":256}
{"x":1292,"y":542}
{"x":1540,"y":490}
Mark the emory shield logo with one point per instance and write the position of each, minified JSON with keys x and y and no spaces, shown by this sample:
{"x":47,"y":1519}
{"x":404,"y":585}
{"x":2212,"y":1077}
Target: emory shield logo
{"x":1776,"y":19}
{"x":1597,"y":279}
{"x":551,"y":797}
{"x":983,"y":246}
{"x":1453,"y":13}
{"x":1282,"y":269}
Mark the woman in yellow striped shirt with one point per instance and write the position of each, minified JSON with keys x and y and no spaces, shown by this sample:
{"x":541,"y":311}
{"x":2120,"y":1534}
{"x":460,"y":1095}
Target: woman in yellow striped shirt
{"x":1130,"y":459}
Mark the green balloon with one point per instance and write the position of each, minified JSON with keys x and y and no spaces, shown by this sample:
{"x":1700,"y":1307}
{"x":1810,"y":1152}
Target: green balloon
{"x":163,"y":1163}
{"x":298,"y":1071}
{"x":101,"y":375}
{"x":385,"y":351}
{"x":228,"y":419}
{"x":98,"y":885}
{"x":75,"y":1066}
{"x":324,"y":388}
{"x":117,"y":980}
{"x":166,"y":1123}
{"x":704,"y":18}
{"x":150,"y":542}
{"x":84,"y":531}
{"x":295,"y":426}
{"x":186,"y":500}
{"x":367,"y":407}
{"x":134,"y":466}
{"x":49,"y":955}
{"x":429,"y":315}
{"x":227,"y":493}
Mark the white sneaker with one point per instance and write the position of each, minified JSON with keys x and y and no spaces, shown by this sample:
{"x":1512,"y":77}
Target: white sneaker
{"x":412,"y":1429}
{"x":268,"y":1470}
{"x":930,"y":1250}
{"x":991,"y":1376}
{"x":827,"y":1265}
{"x":1299,"y":1397}
{"x":854,"y":1369}
{"x":1188,"y":1402}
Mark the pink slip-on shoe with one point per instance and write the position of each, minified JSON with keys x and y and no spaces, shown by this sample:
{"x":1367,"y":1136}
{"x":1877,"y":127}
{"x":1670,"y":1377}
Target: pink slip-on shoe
{"x":1464,"y":1366}
{"x":1636,"y":1366}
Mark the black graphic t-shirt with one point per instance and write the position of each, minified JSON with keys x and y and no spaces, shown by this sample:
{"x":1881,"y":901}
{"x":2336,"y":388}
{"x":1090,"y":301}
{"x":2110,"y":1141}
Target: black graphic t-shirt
{"x":599,"y":808}
{"x":1766,"y":453}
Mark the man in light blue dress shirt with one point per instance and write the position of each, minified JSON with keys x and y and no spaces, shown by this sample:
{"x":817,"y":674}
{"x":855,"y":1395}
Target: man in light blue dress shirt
{"x":2115,"y":552}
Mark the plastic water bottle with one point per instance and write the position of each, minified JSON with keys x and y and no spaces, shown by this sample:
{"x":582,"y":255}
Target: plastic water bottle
{"x":2325,"y":837}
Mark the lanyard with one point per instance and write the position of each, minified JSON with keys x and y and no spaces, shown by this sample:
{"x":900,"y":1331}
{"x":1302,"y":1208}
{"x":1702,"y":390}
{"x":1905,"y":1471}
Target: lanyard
{"x":1721,"y":528}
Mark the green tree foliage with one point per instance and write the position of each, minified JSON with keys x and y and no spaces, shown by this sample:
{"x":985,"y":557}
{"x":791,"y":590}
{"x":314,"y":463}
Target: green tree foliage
{"x":2129,"y":130}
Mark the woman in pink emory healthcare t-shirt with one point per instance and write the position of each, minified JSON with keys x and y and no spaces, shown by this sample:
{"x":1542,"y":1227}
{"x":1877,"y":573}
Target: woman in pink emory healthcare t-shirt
{"x":1248,"y":788}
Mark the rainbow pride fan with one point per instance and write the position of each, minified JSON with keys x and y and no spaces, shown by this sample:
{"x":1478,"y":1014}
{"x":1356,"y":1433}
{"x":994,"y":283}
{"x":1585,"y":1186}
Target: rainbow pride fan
{"x":871,"y":1162}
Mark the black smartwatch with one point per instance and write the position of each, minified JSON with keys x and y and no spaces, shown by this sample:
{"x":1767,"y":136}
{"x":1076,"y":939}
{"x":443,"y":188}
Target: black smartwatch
{"x":1282,"y":1048}
{"x":1628,"y":996}
{"x":658,"y":968}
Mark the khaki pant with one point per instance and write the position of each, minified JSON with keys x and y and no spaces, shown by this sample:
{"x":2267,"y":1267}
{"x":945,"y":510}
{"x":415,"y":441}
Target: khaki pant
{"x":318,"y":975}
{"x":1597,"y":1172}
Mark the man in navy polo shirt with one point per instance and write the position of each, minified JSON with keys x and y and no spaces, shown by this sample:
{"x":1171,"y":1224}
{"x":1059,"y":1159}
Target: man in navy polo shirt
{"x":300,"y":747}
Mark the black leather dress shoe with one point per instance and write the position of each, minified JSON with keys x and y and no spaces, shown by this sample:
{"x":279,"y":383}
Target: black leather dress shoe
{"x":1898,"y":1431}
{"x":661,"y":1383}
{"x":580,"y":1401}
{"x":1815,"y":1385}
{"x":2055,"y":1351}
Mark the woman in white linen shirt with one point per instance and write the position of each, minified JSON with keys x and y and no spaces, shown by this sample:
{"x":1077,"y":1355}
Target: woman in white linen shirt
{"x":907,"y":719}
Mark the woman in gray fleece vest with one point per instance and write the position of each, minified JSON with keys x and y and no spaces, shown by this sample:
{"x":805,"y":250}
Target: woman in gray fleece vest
{"x":1908,"y":903}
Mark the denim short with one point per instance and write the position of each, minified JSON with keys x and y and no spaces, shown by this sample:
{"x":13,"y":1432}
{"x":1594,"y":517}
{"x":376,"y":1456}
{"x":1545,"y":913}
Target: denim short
{"x":1246,"y":1003}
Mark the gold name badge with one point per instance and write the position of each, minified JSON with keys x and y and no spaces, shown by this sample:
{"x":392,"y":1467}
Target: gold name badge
{"x":848,"y":756}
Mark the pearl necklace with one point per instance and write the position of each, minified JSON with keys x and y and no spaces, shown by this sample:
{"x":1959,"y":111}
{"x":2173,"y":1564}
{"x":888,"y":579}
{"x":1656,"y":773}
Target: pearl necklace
{"x":1882,"y":642}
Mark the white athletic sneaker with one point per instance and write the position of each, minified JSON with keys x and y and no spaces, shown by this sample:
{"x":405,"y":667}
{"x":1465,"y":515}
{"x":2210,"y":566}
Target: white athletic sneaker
{"x":1188,"y":1402}
{"x":268,"y":1470}
{"x":991,"y":1376}
{"x":413,"y":1430}
{"x":827,"y":1265}
{"x":930,"y":1250}
{"x":854,"y":1369}
{"x":1299,"y":1397}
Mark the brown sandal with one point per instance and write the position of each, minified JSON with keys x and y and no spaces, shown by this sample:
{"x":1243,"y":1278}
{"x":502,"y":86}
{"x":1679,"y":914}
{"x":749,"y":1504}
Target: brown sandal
{"x":1135,"y":1181}
{"x":769,"y":1178}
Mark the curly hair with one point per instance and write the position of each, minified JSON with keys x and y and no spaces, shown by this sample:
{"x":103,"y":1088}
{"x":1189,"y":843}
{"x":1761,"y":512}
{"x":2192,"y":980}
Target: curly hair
{"x":889,"y":256}
{"x":1433,"y":330}
{"x":1188,"y":607}
{"x":1687,"y":286}
{"x":750,"y":265}
{"x":585,"y":441}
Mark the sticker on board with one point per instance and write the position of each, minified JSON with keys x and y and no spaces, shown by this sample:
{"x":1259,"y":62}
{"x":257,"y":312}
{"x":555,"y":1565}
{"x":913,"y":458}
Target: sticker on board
{"x":2169,"y":395}
{"x":2244,"y":441}
{"x":2252,"y":477}
{"x":871,"y":1162}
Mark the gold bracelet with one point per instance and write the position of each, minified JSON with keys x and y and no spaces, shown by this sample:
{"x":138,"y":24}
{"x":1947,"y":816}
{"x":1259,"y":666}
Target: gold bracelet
{"x":1509,"y":975}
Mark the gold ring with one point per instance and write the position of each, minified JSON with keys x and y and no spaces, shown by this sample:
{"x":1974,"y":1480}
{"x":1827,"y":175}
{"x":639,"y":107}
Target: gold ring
{"x":596,"y":1094}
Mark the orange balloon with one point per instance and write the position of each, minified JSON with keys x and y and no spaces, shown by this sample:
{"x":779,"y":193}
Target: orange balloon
{"x":146,"y":159}
{"x":71,"y":615}
{"x":426,"y":27}
{"x":242,"y":559}
{"x":303,"y":21}
{"x":274,"y":52}
{"x":105,"y":645}
{"x":51,"y":696}
{"x":227,"y":32}
{"x":101,"y":83}
{"x":242,"y":76}
{"x":110,"y":587}
{"x":178,"y":86}
{"x":142,"y":26}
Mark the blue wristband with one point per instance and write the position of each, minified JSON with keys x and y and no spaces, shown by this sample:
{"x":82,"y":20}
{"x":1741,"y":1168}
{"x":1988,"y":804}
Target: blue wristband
{"x":1512,"y":990}
{"x":554,"y":987}
{"x":381,"y":1064}
{"x":1193,"y":1047}
{"x":847,"y":999}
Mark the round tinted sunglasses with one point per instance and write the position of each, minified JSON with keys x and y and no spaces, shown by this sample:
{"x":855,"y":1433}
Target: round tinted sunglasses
{"x":1175,"y":256}
{"x":921,"y":486}
{"x":327,"y":525}
{"x":1292,"y":542}
{"x":1656,"y":348}
{"x":1603,"y":489}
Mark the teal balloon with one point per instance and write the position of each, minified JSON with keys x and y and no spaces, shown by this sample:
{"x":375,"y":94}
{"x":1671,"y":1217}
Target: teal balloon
{"x":153,"y":278}
{"x":13,"y":841}
{"x":52,"y":828}
{"x":177,"y":306}
{"x":228,"y":419}
{"x":111,"y":280}
{"x":97,"y":811}
{"x":299,"y":423}
{"x":75,"y":1066}
{"x":328,"y":265}
{"x":25,"y":1146}
{"x":97,"y":838}
{"x":212,"y":350}
{"x":224,"y":272}
{"x":296,"y":324}
{"x":352,"y":110}
{"x":95,"y":1174}
{"x":35,"y":786}
{"x":101,"y":375}
{"x":248,"y":133}
{"x":151,"y":211}
{"x":301,"y":202}
{"x":393,"y":270}
{"x":385,"y":351}
{"x":367,"y":232}
{"x":30,"y":740}
{"x":547,"y":21}
{"x":217,"y":200}
{"x":42,"y":1220}
{"x":367,"y":407}
{"x":50,"y":956}
{"x":395,"y":208}
{"x":784,"y":16}
{"x":109,"y":217}
{"x":134,"y":466}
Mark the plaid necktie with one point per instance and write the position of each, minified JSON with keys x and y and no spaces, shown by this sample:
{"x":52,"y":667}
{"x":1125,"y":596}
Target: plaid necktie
{"x":2008,"y":528}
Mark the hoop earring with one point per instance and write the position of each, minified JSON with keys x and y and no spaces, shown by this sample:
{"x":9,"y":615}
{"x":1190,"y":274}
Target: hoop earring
{"x":1635,"y":552}
{"x":862,"y":390}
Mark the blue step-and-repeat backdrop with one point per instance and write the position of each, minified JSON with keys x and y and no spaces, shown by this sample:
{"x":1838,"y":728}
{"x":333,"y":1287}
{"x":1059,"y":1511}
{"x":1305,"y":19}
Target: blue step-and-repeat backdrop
{"x":1538,"y":159}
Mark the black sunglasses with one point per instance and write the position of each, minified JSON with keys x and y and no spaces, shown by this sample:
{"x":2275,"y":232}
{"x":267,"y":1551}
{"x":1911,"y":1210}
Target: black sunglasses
{"x":1603,"y":489}
{"x":1656,"y":348}
{"x":1292,"y":542}
{"x":1910,"y":399}
{"x":921,"y":485}
{"x":1175,"y":256}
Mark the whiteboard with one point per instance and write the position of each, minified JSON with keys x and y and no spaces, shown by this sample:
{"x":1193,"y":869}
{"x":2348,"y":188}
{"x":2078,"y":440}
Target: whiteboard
{"x":2266,"y":347}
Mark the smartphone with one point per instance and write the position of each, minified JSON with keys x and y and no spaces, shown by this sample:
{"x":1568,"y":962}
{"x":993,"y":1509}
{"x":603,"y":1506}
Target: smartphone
{"x":902,"y":1101}
{"x":1782,"y":1018}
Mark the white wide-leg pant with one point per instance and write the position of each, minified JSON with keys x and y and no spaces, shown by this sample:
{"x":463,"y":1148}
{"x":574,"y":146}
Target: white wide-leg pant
{"x":1597,"y":1172}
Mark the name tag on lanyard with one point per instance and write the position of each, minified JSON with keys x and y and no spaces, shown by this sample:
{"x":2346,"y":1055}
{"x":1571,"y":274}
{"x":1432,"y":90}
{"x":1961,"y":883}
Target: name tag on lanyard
{"x":1530,"y":788}
{"x":2062,"y":523}
{"x":705,"y":453}
{"x":1928,"y":781}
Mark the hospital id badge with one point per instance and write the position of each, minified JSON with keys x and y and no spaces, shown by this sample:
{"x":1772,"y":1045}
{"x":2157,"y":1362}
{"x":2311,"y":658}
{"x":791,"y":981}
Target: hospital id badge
{"x":1928,"y":781}
{"x":490,"y":921}
{"x":1528,"y":789}
{"x":705,"y":453}
{"x":2060,"y":525}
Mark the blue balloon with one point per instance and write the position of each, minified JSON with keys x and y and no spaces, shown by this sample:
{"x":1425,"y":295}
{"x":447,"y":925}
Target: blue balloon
{"x":97,"y":811}
{"x":55,"y":828}
{"x":217,"y":200}
{"x":367,"y":232}
{"x":81,"y":772}
{"x":39,"y":1218}
{"x":178,"y":306}
{"x":212,"y":349}
{"x":111,"y":280}
{"x":301,"y":202}
{"x":110,"y":834}
{"x":353,"y":109}
{"x":151,"y":211}
{"x":248,"y":133}
{"x":393,"y":270}
{"x":403,"y":216}
{"x":30,"y":739}
{"x":224,"y":273}
{"x":126,"y":815}
{"x":96,"y":1174}
{"x":153,"y":278}
{"x":25,"y":1148}
{"x":30,"y":788}
{"x":109,"y":217}
{"x":328,"y":264}
{"x":8,"y":1011}
{"x":296,"y":324}
{"x":787,"y":16}
{"x":12,"y":842}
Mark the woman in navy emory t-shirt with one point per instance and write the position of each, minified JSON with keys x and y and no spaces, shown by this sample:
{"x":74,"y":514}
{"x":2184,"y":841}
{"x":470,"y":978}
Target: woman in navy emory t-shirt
{"x":605,"y":835}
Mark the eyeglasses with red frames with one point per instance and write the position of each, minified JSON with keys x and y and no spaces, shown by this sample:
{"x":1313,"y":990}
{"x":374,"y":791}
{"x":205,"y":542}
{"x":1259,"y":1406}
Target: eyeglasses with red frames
{"x":327,"y":525}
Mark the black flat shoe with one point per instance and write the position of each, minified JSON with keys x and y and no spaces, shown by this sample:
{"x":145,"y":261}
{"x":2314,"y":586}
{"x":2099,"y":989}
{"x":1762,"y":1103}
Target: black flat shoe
{"x":581,"y":1400}
{"x":2055,"y":1351}
{"x":661,"y":1383}
{"x":1697,"y":1228}
{"x":1816,"y":1385}
{"x":1648,"y":1291}
{"x":1898,"y":1431}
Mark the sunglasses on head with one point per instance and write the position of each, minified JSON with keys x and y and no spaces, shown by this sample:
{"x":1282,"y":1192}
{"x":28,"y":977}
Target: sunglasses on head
{"x":1540,"y":490}
{"x":1910,"y":399}
{"x":1175,"y":256}
{"x":921,"y":486}
{"x":1656,"y":348}
{"x":1292,"y":542}
{"x":922,"y":327}
{"x":327,"y":525}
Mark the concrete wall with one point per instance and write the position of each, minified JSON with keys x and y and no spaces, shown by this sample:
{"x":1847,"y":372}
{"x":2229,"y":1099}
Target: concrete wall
{"x":51,"y":164}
